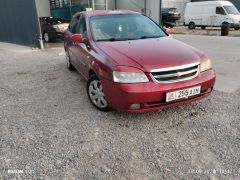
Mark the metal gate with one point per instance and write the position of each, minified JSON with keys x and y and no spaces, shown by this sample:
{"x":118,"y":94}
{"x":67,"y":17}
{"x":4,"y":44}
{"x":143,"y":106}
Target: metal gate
{"x":19,"y":22}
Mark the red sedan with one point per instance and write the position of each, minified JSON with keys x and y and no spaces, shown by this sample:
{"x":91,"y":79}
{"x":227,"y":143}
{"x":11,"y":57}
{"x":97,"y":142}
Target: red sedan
{"x":132,"y":65}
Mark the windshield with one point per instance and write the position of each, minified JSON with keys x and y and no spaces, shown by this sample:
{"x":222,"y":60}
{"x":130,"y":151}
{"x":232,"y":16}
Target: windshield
{"x":231,"y":9}
{"x":124,"y":27}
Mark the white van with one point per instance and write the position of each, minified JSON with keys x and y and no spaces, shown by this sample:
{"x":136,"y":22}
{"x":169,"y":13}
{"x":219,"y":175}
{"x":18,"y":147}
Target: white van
{"x":211,"y":13}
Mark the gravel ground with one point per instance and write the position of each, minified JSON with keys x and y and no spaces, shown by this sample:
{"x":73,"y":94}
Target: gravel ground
{"x":49,"y":129}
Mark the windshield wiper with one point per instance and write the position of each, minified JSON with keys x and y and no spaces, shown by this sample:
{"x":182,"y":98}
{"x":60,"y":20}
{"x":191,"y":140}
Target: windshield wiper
{"x":146,"y":37}
{"x":110,"y":39}
{"x":117,"y":39}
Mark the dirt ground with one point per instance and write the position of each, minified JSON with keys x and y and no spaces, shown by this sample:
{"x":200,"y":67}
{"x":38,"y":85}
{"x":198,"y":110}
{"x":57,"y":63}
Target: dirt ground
{"x":50,"y":130}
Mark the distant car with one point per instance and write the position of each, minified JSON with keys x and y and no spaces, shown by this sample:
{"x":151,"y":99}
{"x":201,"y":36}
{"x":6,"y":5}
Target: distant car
{"x":170,"y":16}
{"x":53,"y":27}
{"x":132,"y":65}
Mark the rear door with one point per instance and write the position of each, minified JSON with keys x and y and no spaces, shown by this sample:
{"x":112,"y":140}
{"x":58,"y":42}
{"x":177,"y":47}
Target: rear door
{"x":196,"y":15}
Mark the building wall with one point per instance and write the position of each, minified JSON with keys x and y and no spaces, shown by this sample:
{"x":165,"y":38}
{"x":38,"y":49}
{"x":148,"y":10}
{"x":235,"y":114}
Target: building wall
{"x":111,"y":4}
{"x":43,"y":8}
{"x":152,"y":7}
{"x":19,"y":22}
{"x":134,"y":5}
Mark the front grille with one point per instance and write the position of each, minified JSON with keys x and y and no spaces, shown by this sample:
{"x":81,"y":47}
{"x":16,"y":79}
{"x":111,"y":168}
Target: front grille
{"x":176,"y":74}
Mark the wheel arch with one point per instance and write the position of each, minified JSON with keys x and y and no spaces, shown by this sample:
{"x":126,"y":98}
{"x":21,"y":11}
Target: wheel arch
{"x":91,"y":72}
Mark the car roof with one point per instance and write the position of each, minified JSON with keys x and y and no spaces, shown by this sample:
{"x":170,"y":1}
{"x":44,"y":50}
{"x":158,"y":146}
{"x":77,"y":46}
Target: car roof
{"x":106,"y":12}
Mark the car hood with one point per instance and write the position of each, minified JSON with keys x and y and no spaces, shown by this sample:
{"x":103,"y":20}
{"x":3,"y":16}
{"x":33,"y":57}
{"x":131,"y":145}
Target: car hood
{"x":149,"y":54}
{"x":235,"y":17}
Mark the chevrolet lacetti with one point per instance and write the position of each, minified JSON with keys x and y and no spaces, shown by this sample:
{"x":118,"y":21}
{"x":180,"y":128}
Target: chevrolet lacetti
{"x":131,"y":64}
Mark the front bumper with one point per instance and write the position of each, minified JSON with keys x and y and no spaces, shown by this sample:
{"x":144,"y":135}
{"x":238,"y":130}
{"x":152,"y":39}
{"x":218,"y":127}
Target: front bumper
{"x":235,"y":25}
{"x":152,"y":96}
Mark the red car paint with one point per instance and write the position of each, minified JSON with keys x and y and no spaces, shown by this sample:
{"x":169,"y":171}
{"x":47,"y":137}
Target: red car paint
{"x":102,"y":58}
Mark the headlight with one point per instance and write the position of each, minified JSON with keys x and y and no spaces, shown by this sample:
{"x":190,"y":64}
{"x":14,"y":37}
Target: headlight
{"x":206,"y":65}
{"x":55,"y":26}
{"x":130,"y":75}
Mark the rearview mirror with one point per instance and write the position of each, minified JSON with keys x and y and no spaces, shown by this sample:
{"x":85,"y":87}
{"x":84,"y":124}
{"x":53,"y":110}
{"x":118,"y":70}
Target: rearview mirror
{"x":77,"y":38}
{"x":167,"y":30}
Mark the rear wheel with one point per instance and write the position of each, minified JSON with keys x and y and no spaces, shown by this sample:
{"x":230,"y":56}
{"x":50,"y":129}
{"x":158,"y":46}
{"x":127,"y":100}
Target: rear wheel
{"x":96,"y":94}
{"x":191,"y":25}
{"x":237,"y":28}
{"x":203,"y":27}
{"x":68,"y":62}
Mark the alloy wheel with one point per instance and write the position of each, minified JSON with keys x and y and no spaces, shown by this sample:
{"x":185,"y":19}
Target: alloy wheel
{"x":68,"y":61}
{"x":96,"y":94}
{"x":46,"y":37}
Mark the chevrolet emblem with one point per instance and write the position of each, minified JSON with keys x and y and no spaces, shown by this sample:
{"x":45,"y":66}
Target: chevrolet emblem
{"x":179,"y":74}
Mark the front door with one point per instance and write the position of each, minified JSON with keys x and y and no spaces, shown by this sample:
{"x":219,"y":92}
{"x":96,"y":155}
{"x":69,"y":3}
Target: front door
{"x":81,"y":51}
{"x":220,"y":16}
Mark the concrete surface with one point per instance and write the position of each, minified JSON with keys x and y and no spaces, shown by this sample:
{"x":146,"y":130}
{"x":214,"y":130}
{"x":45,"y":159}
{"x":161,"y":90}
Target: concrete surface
{"x":210,"y":31}
{"x":225,"y":55}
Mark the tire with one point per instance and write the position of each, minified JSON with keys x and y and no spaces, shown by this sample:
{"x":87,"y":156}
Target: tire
{"x":96,"y":94}
{"x":46,"y":37}
{"x":68,"y":62}
{"x":237,"y":28}
{"x":191,"y":25}
{"x":203,"y":27}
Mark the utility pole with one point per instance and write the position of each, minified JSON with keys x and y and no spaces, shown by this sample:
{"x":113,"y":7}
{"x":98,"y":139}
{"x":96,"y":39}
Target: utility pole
{"x":70,"y":7}
{"x":39,"y":27}
{"x":160,"y":12}
{"x":93,"y":4}
{"x":145,"y":7}
{"x":115,"y":4}
{"x":106,"y":4}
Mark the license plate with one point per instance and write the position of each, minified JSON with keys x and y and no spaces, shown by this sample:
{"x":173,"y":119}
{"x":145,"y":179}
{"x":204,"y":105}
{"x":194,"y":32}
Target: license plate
{"x":183,"y":94}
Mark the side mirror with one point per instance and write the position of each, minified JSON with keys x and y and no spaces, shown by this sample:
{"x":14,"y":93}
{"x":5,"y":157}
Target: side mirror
{"x":167,"y":30}
{"x":77,"y":38}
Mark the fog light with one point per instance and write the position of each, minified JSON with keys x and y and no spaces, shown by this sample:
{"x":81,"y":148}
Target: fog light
{"x":135,"y":106}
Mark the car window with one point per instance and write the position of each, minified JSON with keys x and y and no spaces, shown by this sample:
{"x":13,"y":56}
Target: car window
{"x":231,"y":9}
{"x":173,"y":9}
{"x":73,"y":24}
{"x":82,"y":27}
{"x":220,"y":10}
{"x":124,"y":27}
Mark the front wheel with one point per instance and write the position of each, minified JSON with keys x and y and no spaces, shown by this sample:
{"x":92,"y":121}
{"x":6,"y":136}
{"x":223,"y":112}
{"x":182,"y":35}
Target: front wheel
{"x":46,"y":37}
{"x":68,"y":62}
{"x":191,"y":25}
{"x":237,"y":28}
{"x":96,"y":94}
